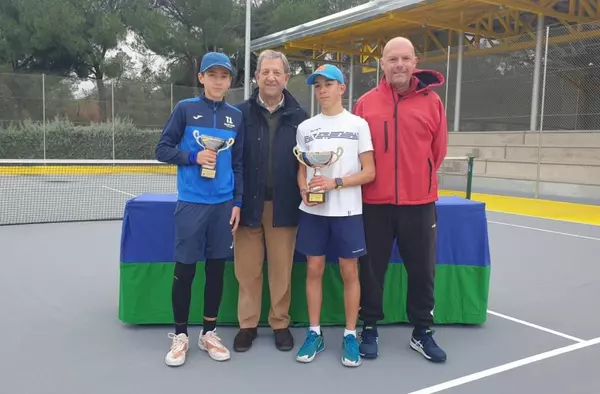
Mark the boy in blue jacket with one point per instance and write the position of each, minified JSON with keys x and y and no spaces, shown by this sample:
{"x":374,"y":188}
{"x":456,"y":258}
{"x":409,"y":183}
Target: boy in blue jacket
{"x":208,"y":208}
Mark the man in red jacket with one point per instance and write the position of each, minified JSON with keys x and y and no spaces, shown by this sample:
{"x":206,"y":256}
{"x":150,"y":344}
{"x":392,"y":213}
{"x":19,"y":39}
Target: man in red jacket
{"x":409,"y":131}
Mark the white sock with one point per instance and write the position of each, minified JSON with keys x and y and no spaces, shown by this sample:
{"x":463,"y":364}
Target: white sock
{"x":316,"y":329}
{"x":349,"y":332}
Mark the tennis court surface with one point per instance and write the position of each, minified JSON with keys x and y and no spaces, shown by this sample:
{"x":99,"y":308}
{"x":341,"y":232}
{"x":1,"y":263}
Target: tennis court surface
{"x":59,"y":298}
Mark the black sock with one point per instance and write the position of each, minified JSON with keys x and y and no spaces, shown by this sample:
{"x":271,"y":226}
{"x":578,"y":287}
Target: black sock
{"x":208,"y":325}
{"x":370,"y":325}
{"x":419,"y":330}
{"x":181,"y":328}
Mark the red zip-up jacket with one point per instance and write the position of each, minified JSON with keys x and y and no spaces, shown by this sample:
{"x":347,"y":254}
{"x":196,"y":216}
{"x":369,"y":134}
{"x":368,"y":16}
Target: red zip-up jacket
{"x":409,"y":133}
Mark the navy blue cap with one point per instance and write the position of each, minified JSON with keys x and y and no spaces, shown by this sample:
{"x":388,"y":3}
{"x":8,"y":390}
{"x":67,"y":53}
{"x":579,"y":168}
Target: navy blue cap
{"x":215,"y":59}
{"x":328,"y":71}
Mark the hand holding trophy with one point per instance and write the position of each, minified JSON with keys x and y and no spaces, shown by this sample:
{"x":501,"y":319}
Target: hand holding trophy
{"x":215,"y":144}
{"x":316,"y":161}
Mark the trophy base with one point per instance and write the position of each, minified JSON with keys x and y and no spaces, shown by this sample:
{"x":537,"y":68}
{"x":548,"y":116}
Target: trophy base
{"x":210,"y":173}
{"x":316,"y":197}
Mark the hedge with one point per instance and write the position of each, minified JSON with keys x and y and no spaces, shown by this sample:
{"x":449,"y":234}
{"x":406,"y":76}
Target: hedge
{"x":66,"y":140}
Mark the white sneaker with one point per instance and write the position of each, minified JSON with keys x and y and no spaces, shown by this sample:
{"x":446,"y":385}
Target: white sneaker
{"x":179,"y":348}
{"x":211,"y":343}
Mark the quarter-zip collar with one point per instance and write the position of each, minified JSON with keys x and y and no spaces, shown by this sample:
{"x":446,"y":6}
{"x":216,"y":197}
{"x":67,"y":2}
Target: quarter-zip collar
{"x":212,"y":103}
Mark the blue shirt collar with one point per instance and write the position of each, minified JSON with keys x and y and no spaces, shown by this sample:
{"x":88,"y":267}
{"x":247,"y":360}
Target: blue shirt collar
{"x":212,"y":102}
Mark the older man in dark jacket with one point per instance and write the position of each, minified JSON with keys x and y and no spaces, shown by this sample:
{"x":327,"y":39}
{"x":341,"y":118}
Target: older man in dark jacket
{"x":270,"y":202}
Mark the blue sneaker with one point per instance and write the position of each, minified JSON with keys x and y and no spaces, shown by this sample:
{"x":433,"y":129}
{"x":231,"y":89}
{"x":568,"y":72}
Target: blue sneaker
{"x":350,"y":353}
{"x":313,"y":345}
{"x":369,"y":340}
{"x":422,"y":341}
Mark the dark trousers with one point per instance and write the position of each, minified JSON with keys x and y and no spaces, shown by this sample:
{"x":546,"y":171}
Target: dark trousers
{"x":415,"y":229}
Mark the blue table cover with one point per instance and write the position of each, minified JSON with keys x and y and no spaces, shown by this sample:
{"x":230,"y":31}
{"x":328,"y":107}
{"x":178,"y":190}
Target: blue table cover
{"x":148,"y":231}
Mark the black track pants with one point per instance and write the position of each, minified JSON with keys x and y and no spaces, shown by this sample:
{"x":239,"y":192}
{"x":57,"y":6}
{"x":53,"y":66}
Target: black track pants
{"x":415,"y":228}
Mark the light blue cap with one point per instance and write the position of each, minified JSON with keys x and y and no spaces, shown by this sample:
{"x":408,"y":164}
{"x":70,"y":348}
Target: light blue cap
{"x":215,"y":59}
{"x":328,"y":71}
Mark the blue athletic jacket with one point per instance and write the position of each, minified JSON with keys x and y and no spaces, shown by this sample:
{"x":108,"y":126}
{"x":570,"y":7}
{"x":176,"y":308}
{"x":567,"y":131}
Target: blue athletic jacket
{"x":177,"y":145}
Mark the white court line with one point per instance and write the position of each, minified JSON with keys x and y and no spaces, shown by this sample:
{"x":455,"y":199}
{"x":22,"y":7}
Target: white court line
{"x":542,"y":218}
{"x":119,"y":191}
{"x":537,"y":327}
{"x":544,"y":230}
{"x":506,"y":367}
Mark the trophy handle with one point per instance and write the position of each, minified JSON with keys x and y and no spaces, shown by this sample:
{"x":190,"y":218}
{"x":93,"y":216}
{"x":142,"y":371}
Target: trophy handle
{"x":338,"y":153}
{"x":228,"y":144}
{"x":298,"y":154}
{"x":196,"y":135}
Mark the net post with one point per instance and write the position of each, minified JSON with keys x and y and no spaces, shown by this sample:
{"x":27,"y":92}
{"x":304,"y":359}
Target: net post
{"x":470,"y":176}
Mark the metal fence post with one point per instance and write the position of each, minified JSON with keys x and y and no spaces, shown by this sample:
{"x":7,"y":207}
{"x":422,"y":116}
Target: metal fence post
{"x":312,"y":90}
{"x":44,"y":111}
{"x":539,"y":158}
{"x":535,"y":94}
{"x":459,"y":71}
{"x":112,"y":99}
{"x":447,"y":79}
{"x":351,"y":84}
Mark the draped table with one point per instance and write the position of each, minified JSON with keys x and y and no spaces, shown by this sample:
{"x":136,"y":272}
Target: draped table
{"x":146,"y":270}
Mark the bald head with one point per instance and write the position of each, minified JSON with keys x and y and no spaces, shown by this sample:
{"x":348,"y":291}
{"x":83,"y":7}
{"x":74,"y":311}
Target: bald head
{"x":398,"y":42}
{"x":398,"y":62}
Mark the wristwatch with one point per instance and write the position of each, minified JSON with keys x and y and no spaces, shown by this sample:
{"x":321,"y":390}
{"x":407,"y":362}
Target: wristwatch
{"x":339,"y":183}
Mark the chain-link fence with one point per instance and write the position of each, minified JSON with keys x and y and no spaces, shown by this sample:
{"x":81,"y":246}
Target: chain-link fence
{"x":497,"y":82}
{"x":49,"y":117}
{"x":544,"y":147}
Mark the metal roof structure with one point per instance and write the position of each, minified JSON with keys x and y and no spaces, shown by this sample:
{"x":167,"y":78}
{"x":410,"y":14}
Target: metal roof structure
{"x":433,"y":25}
{"x":361,"y":13}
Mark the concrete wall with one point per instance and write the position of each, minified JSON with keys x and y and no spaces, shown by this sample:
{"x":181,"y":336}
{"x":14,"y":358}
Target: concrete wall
{"x":507,"y":163}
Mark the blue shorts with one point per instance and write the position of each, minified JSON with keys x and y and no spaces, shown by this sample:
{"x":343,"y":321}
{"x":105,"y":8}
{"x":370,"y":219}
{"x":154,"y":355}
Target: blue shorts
{"x":344,"y":236}
{"x":202,"y":231}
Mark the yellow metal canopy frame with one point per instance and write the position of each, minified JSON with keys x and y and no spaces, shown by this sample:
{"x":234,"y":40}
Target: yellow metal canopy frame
{"x":433,"y":26}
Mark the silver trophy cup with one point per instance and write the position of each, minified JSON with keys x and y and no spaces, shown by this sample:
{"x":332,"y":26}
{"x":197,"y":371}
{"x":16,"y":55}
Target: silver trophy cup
{"x":215,"y":144}
{"x":316,"y":161}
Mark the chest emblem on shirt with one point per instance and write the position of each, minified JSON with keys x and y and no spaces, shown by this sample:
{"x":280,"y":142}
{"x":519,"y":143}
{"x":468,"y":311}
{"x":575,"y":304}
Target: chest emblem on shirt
{"x":229,"y":122}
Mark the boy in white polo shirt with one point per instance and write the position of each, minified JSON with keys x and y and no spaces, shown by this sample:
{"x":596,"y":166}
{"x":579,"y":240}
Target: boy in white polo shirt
{"x":335,"y":225}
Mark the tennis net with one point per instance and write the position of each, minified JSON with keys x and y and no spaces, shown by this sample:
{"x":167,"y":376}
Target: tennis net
{"x":47,"y":191}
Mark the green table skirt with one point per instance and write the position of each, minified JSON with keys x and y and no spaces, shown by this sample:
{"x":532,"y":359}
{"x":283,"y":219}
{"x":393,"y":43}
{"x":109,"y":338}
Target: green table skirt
{"x":461,"y":294}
